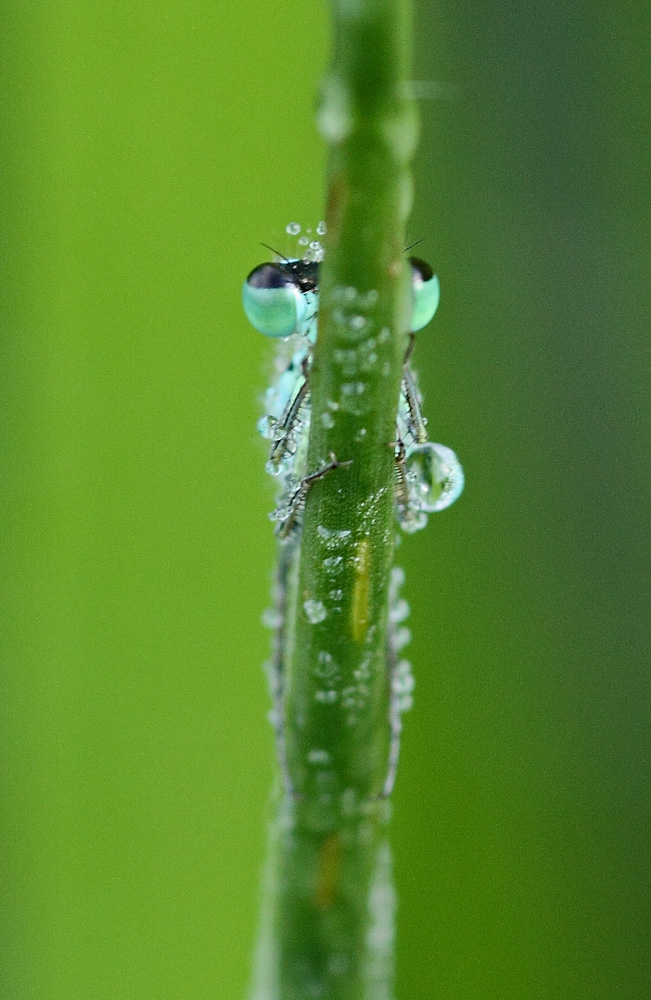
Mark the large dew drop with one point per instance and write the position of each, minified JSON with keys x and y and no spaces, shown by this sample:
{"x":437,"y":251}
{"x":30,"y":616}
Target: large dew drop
{"x":435,"y":476}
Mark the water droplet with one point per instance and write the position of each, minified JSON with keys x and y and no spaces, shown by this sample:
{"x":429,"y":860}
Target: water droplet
{"x":272,"y":618}
{"x":410,"y":520}
{"x":361,"y":434}
{"x":327,"y":420}
{"x":315,"y":611}
{"x":332,"y":539}
{"x":370,"y":361}
{"x":403,"y":680}
{"x":293,"y":229}
{"x":268,"y":427}
{"x":350,"y":697}
{"x":326,"y":697}
{"x":353,"y":388}
{"x":357,"y":322}
{"x":336,"y":595}
{"x":363,"y":672}
{"x":321,"y":229}
{"x":399,"y":611}
{"x":326,"y":667}
{"x":333,"y":564}
{"x":274,"y":678}
{"x":275,"y":718}
{"x":352,"y":400}
{"x":401,"y":638}
{"x":274,"y":468}
{"x":318,"y":757}
{"x":435,"y":476}
{"x":347,"y":360}
{"x":303,"y":241}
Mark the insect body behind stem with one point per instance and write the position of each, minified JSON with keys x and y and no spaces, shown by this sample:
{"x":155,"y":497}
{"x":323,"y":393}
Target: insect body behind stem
{"x":281,"y":301}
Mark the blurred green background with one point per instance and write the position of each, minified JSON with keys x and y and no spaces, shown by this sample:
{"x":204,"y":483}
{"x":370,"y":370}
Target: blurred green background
{"x":146,"y":150}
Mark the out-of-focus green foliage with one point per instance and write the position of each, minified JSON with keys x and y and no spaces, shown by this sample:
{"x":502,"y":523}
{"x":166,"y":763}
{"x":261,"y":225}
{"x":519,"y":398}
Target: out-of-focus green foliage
{"x":146,"y":150}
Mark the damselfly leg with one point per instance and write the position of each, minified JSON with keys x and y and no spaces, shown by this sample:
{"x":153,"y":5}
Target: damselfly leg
{"x":289,"y":513}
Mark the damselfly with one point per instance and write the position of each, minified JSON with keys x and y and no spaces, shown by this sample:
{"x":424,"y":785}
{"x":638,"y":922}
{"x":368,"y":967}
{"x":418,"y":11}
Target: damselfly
{"x":281,"y":300}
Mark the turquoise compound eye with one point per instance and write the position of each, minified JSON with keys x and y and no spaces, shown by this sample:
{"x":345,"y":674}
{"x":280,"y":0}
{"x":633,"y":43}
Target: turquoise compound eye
{"x":425,"y":292}
{"x":272,"y":301}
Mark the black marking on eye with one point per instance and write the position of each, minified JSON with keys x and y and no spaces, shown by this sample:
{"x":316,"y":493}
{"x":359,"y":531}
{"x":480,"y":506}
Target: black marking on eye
{"x":269,"y":276}
{"x":422,"y":268}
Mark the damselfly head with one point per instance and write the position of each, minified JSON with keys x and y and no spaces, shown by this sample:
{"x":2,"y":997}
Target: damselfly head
{"x":281,"y":297}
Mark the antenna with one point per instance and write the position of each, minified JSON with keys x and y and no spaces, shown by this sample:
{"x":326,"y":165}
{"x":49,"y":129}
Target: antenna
{"x":278,"y":253}
{"x":415,"y":244}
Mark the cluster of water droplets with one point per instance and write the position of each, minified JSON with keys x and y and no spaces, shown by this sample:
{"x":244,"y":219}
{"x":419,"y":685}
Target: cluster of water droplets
{"x":400,"y":674}
{"x":309,"y":248}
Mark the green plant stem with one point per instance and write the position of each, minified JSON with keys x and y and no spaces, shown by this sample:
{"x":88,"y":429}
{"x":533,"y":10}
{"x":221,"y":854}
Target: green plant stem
{"x":328,"y":929}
